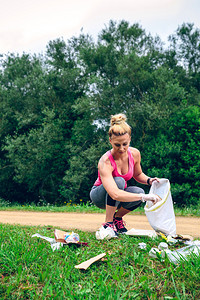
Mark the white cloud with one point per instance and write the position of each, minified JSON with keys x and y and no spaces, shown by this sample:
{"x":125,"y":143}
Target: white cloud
{"x":27,"y":25}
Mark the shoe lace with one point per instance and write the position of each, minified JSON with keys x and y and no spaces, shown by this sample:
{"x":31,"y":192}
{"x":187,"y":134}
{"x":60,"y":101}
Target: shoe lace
{"x":120,"y":223}
{"x":110,"y":225}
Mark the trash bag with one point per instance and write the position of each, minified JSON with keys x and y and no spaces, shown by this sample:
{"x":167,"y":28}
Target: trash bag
{"x":161,"y":215}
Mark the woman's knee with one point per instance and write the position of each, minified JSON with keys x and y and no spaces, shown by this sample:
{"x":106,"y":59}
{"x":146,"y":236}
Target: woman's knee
{"x":120,"y":182}
{"x":135,"y":190}
{"x":98,"y":196}
{"x":133,"y":205}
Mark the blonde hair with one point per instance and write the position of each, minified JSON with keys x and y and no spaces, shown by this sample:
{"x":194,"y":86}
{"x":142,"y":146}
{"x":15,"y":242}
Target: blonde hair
{"x":118,"y":125}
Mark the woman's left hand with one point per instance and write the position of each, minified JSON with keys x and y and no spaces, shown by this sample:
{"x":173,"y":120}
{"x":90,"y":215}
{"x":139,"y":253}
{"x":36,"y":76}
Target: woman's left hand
{"x":151,"y":180}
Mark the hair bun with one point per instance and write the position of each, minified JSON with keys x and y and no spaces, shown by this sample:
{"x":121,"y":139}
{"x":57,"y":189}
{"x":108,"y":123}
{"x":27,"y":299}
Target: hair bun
{"x":118,"y":119}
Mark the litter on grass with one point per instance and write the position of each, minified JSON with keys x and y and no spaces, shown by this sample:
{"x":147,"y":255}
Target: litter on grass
{"x":54,"y":245}
{"x":183,"y":237}
{"x":154,"y":252}
{"x":66,"y":237}
{"x":163,"y":246}
{"x":61,"y":238}
{"x":176,"y":238}
{"x":142,"y":245}
{"x":84,"y":265}
{"x":178,"y":255}
{"x":142,"y":232}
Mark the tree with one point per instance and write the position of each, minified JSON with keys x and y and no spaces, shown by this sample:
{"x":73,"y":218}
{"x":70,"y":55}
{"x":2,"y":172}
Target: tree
{"x":187,"y":44}
{"x":39,"y":158}
{"x":175,"y":155}
{"x":23,"y":94}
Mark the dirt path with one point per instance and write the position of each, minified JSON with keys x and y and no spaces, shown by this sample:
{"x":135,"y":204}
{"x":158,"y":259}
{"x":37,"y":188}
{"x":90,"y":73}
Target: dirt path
{"x":91,"y":222}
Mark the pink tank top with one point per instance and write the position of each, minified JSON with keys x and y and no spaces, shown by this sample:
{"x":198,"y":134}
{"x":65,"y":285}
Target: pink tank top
{"x":115,"y":173}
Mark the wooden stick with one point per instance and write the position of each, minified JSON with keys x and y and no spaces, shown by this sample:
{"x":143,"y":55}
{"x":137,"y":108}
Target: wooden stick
{"x":84,"y":265}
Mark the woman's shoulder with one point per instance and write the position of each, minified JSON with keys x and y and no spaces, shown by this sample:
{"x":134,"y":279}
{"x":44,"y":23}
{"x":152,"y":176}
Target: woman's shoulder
{"x":105,"y":157}
{"x":104,"y":160}
{"x":135,"y":153}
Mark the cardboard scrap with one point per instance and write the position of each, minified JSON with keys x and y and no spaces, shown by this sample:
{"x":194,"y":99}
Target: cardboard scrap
{"x":60,"y":236}
{"x":142,"y":232}
{"x":84,"y":265}
{"x":177,"y":238}
{"x":183,"y":237}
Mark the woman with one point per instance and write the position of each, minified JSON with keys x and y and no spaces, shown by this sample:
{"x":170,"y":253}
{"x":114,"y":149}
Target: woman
{"x":115,"y":168}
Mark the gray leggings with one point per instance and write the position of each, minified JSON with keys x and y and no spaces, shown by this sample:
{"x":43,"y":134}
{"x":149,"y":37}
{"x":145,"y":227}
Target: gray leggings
{"x":100,"y":197}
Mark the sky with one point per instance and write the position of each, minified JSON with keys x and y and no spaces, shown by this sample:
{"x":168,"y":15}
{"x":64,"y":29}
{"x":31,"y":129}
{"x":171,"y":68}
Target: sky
{"x":29,"y":25}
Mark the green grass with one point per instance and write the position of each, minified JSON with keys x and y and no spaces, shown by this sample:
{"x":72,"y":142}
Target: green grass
{"x":29,"y":269}
{"x":52,"y":208}
{"x":88,"y":208}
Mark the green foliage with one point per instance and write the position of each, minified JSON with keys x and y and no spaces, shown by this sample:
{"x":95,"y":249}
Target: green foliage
{"x":82,"y":172}
{"x":55,"y":111}
{"x":175,"y":155}
{"x":187,"y":40}
{"x":23,"y":93}
{"x":186,"y":128}
{"x":38,"y":157}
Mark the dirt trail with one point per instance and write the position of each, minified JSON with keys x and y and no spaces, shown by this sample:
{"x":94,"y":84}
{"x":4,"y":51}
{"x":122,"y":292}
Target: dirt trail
{"x":91,"y":222}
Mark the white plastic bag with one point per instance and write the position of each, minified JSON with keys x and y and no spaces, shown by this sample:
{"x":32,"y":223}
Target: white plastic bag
{"x":183,"y":253}
{"x":54,"y":245}
{"x":161,"y":215}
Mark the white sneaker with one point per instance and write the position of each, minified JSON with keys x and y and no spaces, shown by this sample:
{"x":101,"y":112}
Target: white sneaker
{"x":106,"y":233}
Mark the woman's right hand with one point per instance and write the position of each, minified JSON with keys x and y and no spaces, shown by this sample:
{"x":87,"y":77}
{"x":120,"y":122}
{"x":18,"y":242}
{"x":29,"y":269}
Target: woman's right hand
{"x":150,"y":197}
